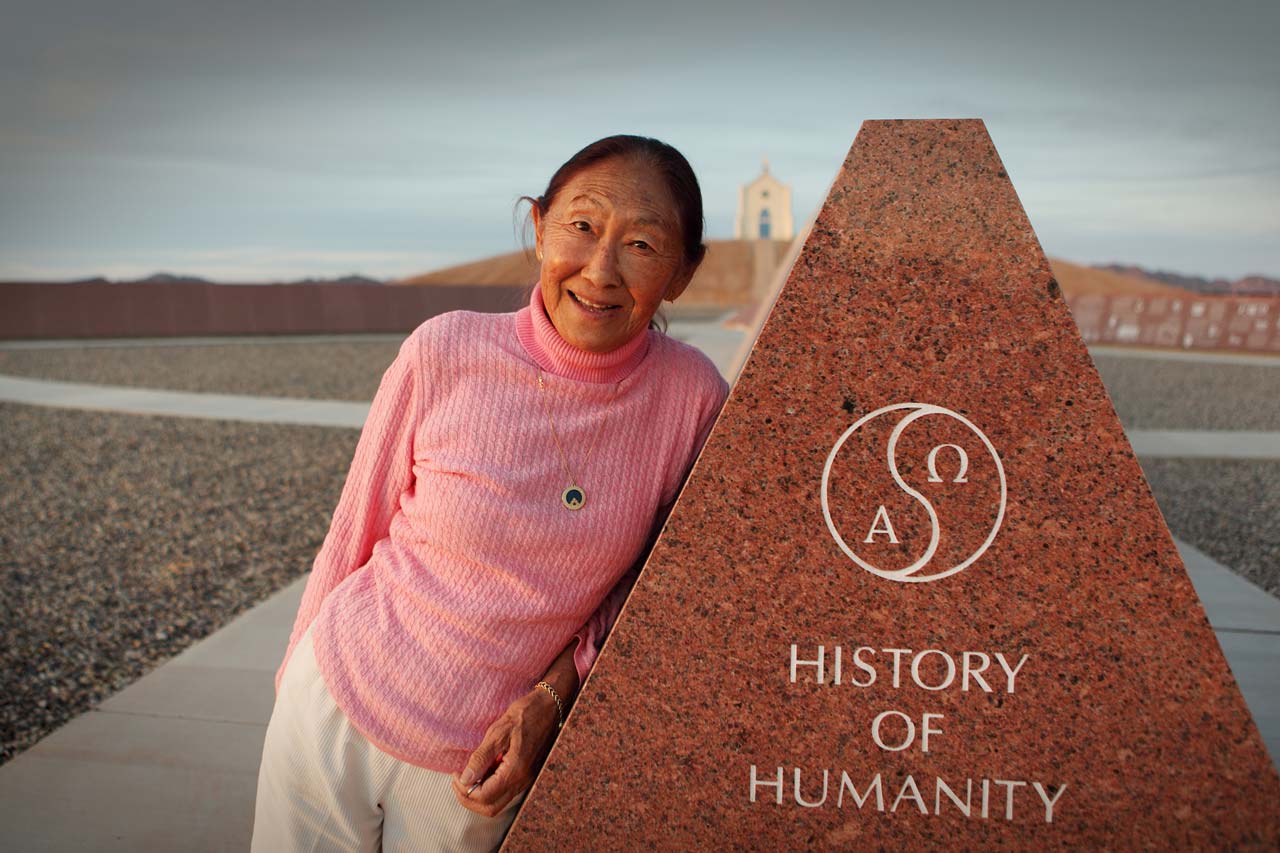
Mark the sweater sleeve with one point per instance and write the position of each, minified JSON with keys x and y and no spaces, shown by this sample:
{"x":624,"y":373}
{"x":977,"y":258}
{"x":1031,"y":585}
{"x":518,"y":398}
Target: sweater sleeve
{"x":592,"y":635}
{"x":710,"y":412}
{"x":381,"y":471}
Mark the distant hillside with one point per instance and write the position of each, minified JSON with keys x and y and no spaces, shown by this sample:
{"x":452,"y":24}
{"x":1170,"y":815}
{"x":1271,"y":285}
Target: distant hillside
{"x":1257,"y":285}
{"x":733,"y":273}
{"x":511,"y":268}
{"x":171,"y":278}
{"x":346,"y":279}
{"x":167,"y":278}
{"x":736,"y":273}
{"x":1077,"y":280}
{"x":727,"y":275}
{"x":1251,"y":285}
{"x":154,"y":278}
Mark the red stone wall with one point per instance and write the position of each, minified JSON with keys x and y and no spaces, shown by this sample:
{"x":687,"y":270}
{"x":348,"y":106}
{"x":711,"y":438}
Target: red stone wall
{"x":1232,"y":323}
{"x":95,"y":310}
{"x":163,"y":310}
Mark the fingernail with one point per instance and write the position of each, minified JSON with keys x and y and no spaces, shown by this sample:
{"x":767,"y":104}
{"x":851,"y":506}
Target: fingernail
{"x":468,"y":776}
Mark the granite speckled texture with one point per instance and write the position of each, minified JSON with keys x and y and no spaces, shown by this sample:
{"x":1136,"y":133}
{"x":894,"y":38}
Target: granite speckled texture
{"x":1071,"y":661}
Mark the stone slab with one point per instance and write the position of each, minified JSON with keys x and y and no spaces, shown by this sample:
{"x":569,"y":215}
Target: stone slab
{"x":1231,"y":602}
{"x":1205,"y":444}
{"x":1246,"y":620}
{"x":918,"y":466}
{"x":221,"y":694}
{"x":132,"y":782}
{"x":1238,"y":358}
{"x":147,"y":401}
{"x":1255,"y":662}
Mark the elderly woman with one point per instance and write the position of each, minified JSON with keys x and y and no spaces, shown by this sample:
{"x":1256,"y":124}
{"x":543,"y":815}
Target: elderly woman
{"x":512,"y":469}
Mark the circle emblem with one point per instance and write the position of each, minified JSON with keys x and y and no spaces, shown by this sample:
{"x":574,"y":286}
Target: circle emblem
{"x":573,"y":497}
{"x":930,"y":565}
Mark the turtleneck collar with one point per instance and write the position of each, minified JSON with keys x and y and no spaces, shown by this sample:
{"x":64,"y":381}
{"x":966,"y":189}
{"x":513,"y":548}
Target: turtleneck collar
{"x":557,"y":356}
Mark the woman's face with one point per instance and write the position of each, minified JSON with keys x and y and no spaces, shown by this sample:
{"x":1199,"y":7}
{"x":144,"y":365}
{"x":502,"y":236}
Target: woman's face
{"x":611,"y":252}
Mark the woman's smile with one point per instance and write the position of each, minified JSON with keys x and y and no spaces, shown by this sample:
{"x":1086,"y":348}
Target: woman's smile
{"x":592,"y":306}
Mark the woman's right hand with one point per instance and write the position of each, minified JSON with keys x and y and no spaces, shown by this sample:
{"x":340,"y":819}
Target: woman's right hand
{"x":516,"y":742}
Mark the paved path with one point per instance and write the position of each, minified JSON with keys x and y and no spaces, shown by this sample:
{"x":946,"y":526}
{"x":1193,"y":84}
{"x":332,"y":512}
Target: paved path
{"x":1252,"y":359}
{"x":1152,"y":444}
{"x":170,"y":763}
{"x":211,"y":341}
{"x":1204,"y":444}
{"x":147,"y":401}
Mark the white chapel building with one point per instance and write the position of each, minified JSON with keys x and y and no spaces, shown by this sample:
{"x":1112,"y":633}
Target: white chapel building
{"x":764,"y":209}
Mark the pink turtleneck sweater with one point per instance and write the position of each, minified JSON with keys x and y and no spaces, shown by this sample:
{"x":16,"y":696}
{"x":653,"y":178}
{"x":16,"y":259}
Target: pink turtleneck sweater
{"x":452,"y":575}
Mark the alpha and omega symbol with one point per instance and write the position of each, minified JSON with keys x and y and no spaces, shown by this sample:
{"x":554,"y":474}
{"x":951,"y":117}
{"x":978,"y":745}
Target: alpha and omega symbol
{"x":913,"y":492}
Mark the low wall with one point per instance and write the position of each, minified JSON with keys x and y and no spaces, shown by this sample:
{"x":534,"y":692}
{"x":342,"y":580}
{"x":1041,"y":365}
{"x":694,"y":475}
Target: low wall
{"x":1214,"y":322}
{"x":104,"y":310}
{"x":97,"y":310}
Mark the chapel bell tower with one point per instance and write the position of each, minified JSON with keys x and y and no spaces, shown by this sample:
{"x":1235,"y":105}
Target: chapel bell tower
{"x":764,"y":209}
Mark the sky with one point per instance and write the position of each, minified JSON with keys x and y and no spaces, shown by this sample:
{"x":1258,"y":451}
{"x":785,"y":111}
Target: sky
{"x":272,"y":140}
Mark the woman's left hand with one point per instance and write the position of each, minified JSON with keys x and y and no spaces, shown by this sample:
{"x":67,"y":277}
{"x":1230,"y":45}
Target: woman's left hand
{"x":516,"y":742}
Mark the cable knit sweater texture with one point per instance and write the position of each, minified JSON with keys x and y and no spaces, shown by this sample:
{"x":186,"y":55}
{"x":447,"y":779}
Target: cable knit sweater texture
{"x":452,"y":575}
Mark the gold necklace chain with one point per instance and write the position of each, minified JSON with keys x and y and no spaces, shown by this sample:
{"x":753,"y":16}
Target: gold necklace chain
{"x":573,"y":497}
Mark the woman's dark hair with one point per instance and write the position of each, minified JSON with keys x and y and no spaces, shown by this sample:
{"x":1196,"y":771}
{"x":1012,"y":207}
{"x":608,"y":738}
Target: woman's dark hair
{"x":668,"y":162}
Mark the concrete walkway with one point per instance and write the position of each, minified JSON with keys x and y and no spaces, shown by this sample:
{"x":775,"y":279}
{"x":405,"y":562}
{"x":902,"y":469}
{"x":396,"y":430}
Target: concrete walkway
{"x":1154,"y":444}
{"x":183,"y":404}
{"x":209,"y":341}
{"x":1246,"y":359}
{"x":170,"y":763}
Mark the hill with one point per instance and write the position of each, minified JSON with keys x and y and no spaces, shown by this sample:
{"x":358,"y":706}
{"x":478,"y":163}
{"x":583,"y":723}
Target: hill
{"x":1250,"y":285}
{"x":1077,"y":280}
{"x":734,"y":273}
{"x":737,"y":272}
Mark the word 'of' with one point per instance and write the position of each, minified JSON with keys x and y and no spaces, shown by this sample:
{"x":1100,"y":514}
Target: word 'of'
{"x":940,"y":668}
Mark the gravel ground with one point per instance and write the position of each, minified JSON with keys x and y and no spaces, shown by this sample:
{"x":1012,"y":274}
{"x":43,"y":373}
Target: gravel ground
{"x":1153,"y":394}
{"x":327,"y":371}
{"x":124,"y":539}
{"x":1227,"y":508}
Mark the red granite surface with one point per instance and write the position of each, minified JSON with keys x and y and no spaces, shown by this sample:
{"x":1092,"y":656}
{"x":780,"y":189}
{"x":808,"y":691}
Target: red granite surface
{"x":922,"y":282}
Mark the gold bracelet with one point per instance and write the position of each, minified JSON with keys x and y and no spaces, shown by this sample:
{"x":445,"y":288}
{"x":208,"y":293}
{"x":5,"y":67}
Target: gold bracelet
{"x":559,"y":704}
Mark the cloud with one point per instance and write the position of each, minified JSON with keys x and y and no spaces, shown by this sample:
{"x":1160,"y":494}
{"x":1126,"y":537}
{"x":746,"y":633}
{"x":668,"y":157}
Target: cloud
{"x":150,"y":128}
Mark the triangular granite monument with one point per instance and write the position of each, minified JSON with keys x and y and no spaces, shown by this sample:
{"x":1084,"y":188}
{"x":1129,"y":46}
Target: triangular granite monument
{"x":916,"y":592}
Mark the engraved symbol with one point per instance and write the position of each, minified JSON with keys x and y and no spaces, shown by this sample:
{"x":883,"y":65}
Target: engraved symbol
{"x":933,"y":464}
{"x":881,"y":527}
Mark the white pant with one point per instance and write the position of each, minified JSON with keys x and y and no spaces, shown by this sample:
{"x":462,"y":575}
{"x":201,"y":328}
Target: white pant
{"x":323,"y":786}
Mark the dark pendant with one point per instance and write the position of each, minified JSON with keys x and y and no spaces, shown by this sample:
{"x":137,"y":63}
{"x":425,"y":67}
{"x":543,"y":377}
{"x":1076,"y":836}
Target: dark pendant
{"x":573,"y":497}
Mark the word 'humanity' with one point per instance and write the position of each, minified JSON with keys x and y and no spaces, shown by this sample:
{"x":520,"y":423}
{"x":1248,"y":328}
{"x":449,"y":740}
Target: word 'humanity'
{"x":909,"y":792}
